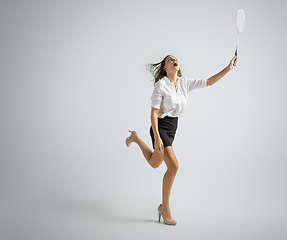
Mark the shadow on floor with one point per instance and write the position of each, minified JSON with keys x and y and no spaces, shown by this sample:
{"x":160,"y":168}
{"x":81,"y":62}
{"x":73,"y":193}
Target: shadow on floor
{"x":100,"y":210}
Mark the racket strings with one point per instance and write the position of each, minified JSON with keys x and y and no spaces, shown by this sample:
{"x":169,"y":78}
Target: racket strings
{"x":240,"y":25}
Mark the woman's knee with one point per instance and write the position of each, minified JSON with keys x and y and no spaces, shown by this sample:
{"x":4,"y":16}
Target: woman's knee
{"x":155,"y":160}
{"x":173,"y":166}
{"x":155,"y":165}
{"x":171,"y":160}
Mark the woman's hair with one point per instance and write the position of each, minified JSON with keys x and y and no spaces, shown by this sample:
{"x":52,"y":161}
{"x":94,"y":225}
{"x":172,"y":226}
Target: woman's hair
{"x":157,"y":70}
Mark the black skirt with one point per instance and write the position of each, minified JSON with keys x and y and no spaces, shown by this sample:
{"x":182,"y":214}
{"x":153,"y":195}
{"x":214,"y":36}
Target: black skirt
{"x":167,"y":128}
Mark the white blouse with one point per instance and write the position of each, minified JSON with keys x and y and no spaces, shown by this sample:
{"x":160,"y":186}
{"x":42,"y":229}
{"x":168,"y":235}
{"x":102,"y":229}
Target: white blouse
{"x":171,"y":100}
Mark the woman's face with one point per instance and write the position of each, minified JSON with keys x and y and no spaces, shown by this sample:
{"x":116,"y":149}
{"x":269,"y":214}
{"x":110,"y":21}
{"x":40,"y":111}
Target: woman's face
{"x":171,"y":64}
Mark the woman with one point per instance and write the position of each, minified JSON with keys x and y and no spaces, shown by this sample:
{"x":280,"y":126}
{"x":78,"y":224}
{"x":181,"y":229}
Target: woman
{"x":167,"y":103}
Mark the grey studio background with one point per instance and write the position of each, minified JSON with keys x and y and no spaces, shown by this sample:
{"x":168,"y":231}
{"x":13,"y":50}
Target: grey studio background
{"x":73,"y":82}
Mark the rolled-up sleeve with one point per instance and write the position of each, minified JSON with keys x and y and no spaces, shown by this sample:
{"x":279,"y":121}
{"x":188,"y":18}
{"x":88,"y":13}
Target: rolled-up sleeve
{"x":156,"y":97}
{"x":196,"y":83}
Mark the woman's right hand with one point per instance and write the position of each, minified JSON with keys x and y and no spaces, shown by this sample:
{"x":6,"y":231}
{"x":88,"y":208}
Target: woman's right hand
{"x":158,"y":145}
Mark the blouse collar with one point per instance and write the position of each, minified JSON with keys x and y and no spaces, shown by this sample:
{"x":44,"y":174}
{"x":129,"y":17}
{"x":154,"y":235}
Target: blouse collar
{"x":168,"y":81}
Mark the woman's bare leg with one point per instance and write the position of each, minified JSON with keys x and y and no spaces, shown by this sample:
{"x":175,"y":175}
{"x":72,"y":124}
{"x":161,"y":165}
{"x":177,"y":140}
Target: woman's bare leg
{"x":168,"y":179}
{"x":154,"y":158}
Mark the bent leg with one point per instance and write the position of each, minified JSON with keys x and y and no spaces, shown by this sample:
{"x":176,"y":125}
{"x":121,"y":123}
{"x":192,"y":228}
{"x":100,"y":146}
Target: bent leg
{"x":154,"y":158}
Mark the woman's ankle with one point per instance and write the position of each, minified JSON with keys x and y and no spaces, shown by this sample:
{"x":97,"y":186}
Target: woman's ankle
{"x":164,"y":206}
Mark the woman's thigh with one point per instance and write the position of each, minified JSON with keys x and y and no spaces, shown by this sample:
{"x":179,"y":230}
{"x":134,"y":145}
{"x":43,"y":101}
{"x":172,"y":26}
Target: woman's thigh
{"x":156,"y":159}
{"x":170,"y":158}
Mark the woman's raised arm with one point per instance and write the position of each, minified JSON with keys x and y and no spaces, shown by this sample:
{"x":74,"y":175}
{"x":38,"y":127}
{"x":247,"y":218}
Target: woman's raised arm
{"x":222,"y":73}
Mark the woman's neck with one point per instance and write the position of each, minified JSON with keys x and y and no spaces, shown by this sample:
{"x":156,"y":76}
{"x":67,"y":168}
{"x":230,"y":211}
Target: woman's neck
{"x":172,"y":77}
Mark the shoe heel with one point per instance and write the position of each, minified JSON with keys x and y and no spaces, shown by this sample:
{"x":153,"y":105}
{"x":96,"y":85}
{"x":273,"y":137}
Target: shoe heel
{"x":159,"y":215}
{"x":133,"y":134}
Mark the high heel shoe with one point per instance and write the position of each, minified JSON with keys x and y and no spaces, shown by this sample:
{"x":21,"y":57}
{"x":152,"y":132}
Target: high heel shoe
{"x":169,"y":221}
{"x":130,"y":138}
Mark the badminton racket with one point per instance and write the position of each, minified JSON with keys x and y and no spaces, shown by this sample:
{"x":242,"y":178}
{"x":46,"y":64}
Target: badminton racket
{"x":240,"y":25}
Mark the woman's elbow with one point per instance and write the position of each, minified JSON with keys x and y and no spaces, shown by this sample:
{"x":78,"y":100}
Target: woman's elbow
{"x":154,"y":112}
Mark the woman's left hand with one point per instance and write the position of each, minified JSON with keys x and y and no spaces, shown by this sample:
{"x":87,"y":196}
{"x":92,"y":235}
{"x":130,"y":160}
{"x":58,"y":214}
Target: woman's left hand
{"x":233,"y":63}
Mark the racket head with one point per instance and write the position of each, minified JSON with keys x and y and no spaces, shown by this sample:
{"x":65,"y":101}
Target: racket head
{"x":240,"y":20}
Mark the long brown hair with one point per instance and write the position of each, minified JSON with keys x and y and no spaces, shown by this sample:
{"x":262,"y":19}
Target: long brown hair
{"x":157,"y":70}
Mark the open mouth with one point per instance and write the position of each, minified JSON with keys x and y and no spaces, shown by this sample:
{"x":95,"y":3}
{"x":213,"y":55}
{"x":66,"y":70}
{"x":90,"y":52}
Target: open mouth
{"x":175,"y":64}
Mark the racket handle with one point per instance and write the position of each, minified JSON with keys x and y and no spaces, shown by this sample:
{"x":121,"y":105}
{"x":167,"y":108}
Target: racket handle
{"x":236,"y":55}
